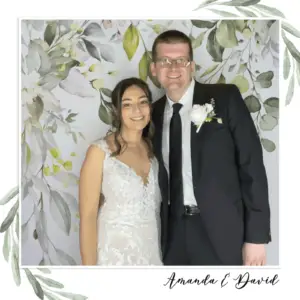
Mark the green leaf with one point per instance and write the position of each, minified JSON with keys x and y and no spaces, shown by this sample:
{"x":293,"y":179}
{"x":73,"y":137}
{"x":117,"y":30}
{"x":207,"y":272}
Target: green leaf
{"x":293,"y":50}
{"x":104,"y":115}
{"x":289,"y":28}
{"x":203,"y":24}
{"x":252,"y":103}
{"x":241,"y":82}
{"x":286,"y":64}
{"x":92,"y":50}
{"x":60,"y":212}
{"x":6,"y":245}
{"x":10,"y":195}
{"x":222,"y":79}
{"x":267,"y":122}
{"x":94,"y":30}
{"x":298,"y":72}
{"x":240,"y":25}
{"x":36,"y":108}
{"x":50,"y":282}
{"x":35,"y":284}
{"x":268,"y":145}
{"x":143,"y":67}
{"x":10,"y":217}
{"x":213,"y":47}
{"x":70,"y":116}
{"x":65,"y":258}
{"x":106,"y":92}
{"x":15,"y":266}
{"x":241,"y":2}
{"x":270,"y":10}
{"x":246,"y":12}
{"x":50,"y":32}
{"x":51,"y":296}
{"x":131,"y":41}
{"x":72,"y":296}
{"x":225,"y":34}
{"x":290,"y":92}
{"x":223,"y":13}
{"x":197,"y":42}
{"x":265,"y":79}
{"x":242,"y":68}
{"x":271,"y":106}
{"x":209,"y":70}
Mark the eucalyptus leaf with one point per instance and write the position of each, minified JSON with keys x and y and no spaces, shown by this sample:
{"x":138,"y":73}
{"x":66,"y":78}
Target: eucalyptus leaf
{"x":51,"y":296}
{"x":246,"y":12}
{"x":252,"y":103}
{"x":213,"y":47}
{"x":6,"y":245}
{"x":265,"y":79}
{"x":50,"y":32}
{"x":72,"y":296}
{"x":286,"y":64}
{"x":131,"y":41}
{"x":209,"y":70}
{"x":92,"y":49}
{"x":15,"y":266}
{"x":60,"y":212}
{"x":197,"y":42}
{"x":270,"y":10}
{"x":9,"y":196}
{"x":225,"y":34}
{"x":104,"y":114}
{"x":143,"y":67}
{"x":35,"y":284}
{"x":65,"y":258}
{"x":10,"y":217}
{"x":94,"y":30}
{"x":290,"y":92}
{"x":107,"y":53}
{"x":271,"y":106}
{"x":268,"y":123}
{"x":241,"y":82}
{"x":293,"y":50}
{"x":41,"y":228}
{"x":241,"y":2}
{"x":203,"y":24}
{"x":289,"y":28}
{"x":107,"y":92}
{"x":50,"y":282}
{"x":268,"y":145}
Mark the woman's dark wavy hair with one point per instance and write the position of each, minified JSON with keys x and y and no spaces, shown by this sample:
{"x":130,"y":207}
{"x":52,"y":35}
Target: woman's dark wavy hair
{"x":116,"y":99}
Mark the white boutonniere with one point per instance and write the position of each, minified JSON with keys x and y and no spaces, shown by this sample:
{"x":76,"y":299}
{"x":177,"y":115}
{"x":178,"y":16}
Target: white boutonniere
{"x":204,"y":113}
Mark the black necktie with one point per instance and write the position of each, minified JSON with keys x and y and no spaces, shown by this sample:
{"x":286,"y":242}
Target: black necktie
{"x":175,"y":162}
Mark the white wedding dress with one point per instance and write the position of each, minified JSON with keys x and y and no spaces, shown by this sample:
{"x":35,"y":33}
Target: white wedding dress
{"x":129,"y":218}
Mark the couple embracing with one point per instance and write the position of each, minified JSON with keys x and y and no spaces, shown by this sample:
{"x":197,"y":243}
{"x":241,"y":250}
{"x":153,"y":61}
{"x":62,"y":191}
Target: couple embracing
{"x":180,"y":181}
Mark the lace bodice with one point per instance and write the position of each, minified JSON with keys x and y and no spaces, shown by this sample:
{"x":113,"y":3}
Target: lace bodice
{"x":129,"y":218}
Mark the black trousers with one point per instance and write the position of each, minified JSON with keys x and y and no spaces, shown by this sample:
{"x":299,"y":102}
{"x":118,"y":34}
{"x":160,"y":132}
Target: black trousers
{"x":188,"y":243}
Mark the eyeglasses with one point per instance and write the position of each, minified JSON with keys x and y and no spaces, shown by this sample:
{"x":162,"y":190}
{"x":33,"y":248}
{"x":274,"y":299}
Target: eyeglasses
{"x":166,"y":62}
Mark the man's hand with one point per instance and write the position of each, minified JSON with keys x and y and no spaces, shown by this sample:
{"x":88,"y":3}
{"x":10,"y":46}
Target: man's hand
{"x":254,"y":254}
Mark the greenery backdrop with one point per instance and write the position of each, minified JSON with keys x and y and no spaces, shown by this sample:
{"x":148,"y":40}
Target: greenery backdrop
{"x":69,"y":68}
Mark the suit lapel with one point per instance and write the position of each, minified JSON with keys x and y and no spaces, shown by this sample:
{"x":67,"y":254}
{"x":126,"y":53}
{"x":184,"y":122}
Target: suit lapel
{"x":200,"y":97}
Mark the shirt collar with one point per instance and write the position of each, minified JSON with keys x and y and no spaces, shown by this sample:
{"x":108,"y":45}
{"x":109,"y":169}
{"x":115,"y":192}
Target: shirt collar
{"x":187,"y":98}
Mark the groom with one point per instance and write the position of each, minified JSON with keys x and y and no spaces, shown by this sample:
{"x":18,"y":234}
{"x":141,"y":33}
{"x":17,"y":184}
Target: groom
{"x":215,"y":208}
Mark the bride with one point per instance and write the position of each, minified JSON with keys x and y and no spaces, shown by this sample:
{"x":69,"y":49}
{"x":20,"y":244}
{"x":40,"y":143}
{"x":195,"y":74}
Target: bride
{"x":124,"y":227}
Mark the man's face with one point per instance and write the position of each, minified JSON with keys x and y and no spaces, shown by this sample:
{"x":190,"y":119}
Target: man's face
{"x":175,"y":77}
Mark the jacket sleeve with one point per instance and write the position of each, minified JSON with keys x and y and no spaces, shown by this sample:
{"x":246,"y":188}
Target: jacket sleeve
{"x":252,"y":173}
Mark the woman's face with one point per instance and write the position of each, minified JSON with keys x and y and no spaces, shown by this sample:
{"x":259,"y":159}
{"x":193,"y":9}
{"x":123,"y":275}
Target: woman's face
{"x":135,"y":108}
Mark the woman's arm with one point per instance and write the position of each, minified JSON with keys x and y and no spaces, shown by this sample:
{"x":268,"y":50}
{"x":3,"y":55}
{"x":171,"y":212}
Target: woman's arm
{"x":89,"y":195}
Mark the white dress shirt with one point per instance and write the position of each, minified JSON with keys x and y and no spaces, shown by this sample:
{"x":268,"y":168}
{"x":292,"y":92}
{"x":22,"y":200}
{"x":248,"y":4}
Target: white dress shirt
{"x":187,"y":102}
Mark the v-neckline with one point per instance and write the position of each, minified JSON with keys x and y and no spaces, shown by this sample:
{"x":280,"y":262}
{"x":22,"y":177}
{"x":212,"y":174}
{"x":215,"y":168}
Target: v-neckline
{"x":145,"y":185}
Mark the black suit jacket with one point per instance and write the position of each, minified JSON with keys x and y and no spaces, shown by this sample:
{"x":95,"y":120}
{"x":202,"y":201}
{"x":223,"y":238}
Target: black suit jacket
{"x":229,"y":177}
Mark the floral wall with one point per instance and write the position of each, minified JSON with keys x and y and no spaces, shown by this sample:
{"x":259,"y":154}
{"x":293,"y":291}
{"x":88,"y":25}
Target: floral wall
{"x":68,"y":69}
